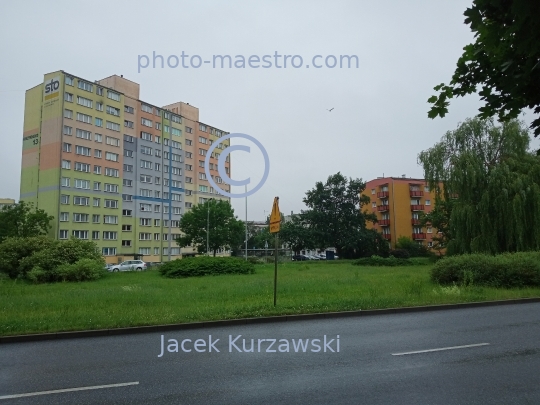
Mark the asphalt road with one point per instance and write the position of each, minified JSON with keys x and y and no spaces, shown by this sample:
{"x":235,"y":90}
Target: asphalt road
{"x":370,"y":367}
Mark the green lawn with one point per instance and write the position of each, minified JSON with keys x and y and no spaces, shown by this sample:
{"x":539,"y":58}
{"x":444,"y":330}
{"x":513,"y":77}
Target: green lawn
{"x":146,"y":298}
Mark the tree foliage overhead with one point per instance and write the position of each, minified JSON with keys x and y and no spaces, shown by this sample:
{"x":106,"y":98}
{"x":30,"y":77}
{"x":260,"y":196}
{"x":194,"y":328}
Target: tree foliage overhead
{"x":23,"y":221}
{"x":297,"y":234}
{"x":504,"y":61}
{"x":335,"y":217}
{"x":493,"y":183}
{"x":225,"y":230}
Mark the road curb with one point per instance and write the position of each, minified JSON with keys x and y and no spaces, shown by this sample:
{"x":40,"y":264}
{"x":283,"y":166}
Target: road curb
{"x":247,"y":321}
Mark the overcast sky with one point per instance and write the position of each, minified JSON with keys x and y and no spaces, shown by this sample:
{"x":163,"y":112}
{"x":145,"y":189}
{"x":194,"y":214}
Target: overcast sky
{"x":377,"y":126}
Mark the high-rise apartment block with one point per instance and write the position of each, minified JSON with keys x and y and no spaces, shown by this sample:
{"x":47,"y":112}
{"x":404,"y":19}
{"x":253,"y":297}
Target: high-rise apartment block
{"x":114,"y":169}
{"x":397,"y":202}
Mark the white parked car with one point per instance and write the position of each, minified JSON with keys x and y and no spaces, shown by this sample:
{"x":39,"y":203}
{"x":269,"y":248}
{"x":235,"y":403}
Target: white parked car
{"x":129,"y":265}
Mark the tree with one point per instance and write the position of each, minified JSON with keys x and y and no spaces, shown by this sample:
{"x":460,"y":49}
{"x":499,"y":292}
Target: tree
{"x":414,"y":249}
{"x":297,"y":234}
{"x":22,"y":220}
{"x":493,"y":183}
{"x":335,"y":217}
{"x":225,"y":230}
{"x":439,"y":218}
{"x":504,"y":60}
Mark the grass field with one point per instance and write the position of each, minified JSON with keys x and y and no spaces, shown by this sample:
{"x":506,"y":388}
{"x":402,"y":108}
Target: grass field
{"x":146,"y":298}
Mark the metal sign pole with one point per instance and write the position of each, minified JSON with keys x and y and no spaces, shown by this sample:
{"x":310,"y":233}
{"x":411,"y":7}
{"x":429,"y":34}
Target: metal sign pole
{"x":275,"y":270}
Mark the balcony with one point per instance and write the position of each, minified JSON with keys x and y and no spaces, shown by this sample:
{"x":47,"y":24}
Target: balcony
{"x":415,"y":221}
{"x":384,"y":222}
{"x":416,"y":193}
{"x":382,"y":194}
{"x":419,"y":236}
{"x":418,"y":207}
{"x":382,"y":208}
{"x":386,"y":236}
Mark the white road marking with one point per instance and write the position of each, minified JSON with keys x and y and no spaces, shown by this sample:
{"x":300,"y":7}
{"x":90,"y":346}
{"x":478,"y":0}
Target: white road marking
{"x":440,"y":349}
{"x":95,"y":387}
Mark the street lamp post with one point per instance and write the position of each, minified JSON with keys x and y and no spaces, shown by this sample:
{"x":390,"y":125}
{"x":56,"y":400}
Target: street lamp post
{"x":208,"y":228}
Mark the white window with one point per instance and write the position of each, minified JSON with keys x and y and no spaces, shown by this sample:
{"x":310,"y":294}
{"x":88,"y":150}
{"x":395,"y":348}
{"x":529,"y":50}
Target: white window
{"x":146,"y":136}
{"x":84,"y":184}
{"x":111,"y":172}
{"x":83,"y":134}
{"x":63,"y":234}
{"x":111,"y":203}
{"x":68,"y":97}
{"x":95,"y":235}
{"x":158,"y":139}
{"x":144,"y":192}
{"x":68,"y":114}
{"x":64,"y":216}
{"x":109,"y":235}
{"x":85,"y":86}
{"x":127,"y":183}
{"x":99,"y":122}
{"x":113,"y":95}
{"x":202,"y":152}
{"x":96,"y":202}
{"x":126,"y":243}
{"x":99,"y":91}
{"x":97,"y":185}
{"x":145,"y":207}
{"x":147,"y":108}
{"x":176,"y":131}
{"x":82,"y":150}
{"x":109,"y":140}
{"x":158,"y":125}
{"x":87,"y":119}
{"x":189,"y":180}
{"x":110,"y":219}
{"x":99,"y":106}
{"x":126,"y":228}
{"x":204,"y":189}
{"x":113,"y":126}
{"x":177,"y":210}
{"x":80,"y":217}
{"x":129,"y":124}
{"x":145,"y":178}
{"x":145,"y":164}
{"x":129,"y":138}
{"x":203,"y":140}
{"x":147,"y":123}
{"x":176,"y":118}
{"x":113,"y":111}
{"x":144,"y":251}
{"x":108,"y":251}
{"x":429,"y":229}
{"x":82,"y":167}
{"x":69,"y":80}
{"x":111,"y":188}
{"x":111,"y":156}
{"x":145,"y":236}
{"x":68,"y":130}
{"x":189,"y":130}
{"x":202,"y":176}
{"x":64,"y":199}
{"x":202,"y":127}
{"x":128,"y":168}
{"x":428,"y":202}
{"x":127,"y":197}
{"x":129,"y":109}
{"x":98,"y":138}
{"x":158,"y":153}
{"x":97,"y":153}
{"x":97,"y":169}
{"x":66,"y":147}
{"x":426,"y":189}
{"x":374,"y":205}
{"x":81,"y":201}
{"x":145,"y":150}
{"x":127,"y":213}
{"x":86,"y":102}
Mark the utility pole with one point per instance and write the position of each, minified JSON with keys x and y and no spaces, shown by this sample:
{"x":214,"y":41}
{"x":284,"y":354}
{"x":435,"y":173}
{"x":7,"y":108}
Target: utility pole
{"x":246,"y":223}
{"x":208,"y":228}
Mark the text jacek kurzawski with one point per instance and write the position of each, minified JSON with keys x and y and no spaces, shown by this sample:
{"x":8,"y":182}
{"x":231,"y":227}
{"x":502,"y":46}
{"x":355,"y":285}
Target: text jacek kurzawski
{"x":237,"y":344}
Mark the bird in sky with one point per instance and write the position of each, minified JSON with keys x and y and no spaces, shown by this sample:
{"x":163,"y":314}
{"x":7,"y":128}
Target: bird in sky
{"x":330,"y":110}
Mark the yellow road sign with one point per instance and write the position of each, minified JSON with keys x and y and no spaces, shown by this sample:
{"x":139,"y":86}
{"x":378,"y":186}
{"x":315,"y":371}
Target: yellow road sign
{"x":275,"y":217}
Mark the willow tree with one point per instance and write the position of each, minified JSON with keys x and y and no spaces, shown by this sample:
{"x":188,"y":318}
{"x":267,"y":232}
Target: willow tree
{"x":492,"y":180}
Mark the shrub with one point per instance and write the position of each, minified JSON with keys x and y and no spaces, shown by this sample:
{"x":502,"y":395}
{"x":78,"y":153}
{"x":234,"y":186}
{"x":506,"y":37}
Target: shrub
{"x":381,"y":261}
{"x":14,"y":250}
{"x":400,"y":253}
{"x":38,"y":275}
{"x":82,"y":270}
{"x":505,"y":270}
{"x":204,"y":266}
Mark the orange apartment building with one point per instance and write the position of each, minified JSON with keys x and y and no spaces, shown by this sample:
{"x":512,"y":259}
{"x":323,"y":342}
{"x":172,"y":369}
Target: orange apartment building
{"x":397,"y":202}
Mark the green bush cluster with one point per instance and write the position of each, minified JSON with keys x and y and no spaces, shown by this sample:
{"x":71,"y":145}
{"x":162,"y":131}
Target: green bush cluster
{"x":41,"y":259}
{"x":390,"y":261}
{"x":504,"y":270}
{"x":206,"y":266}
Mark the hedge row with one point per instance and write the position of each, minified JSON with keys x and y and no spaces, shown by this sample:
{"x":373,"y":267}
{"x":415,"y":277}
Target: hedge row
{"x":390,"y":261}
{"x":506,"y":270}
{"x":205,"y":266}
